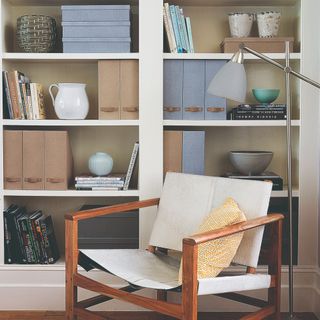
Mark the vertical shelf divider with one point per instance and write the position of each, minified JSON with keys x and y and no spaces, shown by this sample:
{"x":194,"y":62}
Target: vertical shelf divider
{"x":150,"y":96}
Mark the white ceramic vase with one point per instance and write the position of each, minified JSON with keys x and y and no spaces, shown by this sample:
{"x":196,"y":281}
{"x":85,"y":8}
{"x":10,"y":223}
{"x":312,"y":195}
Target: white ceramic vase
{"x":240,"y":24}
{"x":71,"y":101}
{"x":100,"y":164}
{"x":268,"y":23}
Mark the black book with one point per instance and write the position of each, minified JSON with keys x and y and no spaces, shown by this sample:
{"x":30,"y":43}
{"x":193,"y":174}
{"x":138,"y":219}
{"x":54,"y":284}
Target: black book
{"x":38,"y":223}
{"x":13,"y":214}
{"x":8,"y":244}
{"x":36,"y":243}
{"x":26,"y":238}
{"x":51,"y":246}
{"x":261,"y":107}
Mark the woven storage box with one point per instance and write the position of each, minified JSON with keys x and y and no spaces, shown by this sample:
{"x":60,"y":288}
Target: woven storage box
{"x":120,"y":29}
{"x":96,"y":45}
{"x":36,"y":33}
{"x":265,"y":45}
{"x":96,"y":13}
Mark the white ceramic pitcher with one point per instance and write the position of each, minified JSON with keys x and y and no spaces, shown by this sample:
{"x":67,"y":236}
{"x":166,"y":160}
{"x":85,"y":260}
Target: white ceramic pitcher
{"x":71,"y":101}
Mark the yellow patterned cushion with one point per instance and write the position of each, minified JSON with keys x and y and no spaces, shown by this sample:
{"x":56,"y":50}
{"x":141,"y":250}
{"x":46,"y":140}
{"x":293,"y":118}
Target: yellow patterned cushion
{"x":216,"y":255}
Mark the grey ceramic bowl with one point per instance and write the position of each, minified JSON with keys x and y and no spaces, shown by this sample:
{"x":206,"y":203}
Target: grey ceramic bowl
{"x":250,"y":162}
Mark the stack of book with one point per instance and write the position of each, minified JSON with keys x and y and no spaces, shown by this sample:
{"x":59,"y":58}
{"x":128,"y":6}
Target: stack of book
{"x":29,"y":237}
{"x":22,"y":99}
{"x":110,"y":182}
{"x":116,"y":181}
{"x":259,"y":112}
{"x":277,"y":181}
{"x":178,"y":29}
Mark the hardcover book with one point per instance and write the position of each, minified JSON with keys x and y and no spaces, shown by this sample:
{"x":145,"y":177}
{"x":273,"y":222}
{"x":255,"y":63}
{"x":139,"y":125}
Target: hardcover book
{"x":277,"y":181}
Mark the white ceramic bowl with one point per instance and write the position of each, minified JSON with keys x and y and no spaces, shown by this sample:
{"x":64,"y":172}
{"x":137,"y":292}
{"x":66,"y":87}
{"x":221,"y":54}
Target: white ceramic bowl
{"x":250,"y":162}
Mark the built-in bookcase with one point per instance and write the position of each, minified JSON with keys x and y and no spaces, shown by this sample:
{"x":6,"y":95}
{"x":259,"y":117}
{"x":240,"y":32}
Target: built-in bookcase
{"x":210,"y":27}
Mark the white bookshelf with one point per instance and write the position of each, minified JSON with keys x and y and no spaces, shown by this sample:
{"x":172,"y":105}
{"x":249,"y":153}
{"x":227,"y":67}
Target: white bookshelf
{"x":71,"y":193}
{"x":226,"y":56}
{"x":71,"y":123}
{"x":229,"y":123}
{"x":17,"y":56}
{"x":300,"y":19}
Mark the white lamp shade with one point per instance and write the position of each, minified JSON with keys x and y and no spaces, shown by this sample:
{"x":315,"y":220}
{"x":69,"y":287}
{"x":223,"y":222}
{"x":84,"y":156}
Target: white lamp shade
{"x":230,"y":82}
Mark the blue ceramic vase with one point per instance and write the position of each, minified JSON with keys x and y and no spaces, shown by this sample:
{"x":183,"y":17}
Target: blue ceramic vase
{"x":100,"y":164}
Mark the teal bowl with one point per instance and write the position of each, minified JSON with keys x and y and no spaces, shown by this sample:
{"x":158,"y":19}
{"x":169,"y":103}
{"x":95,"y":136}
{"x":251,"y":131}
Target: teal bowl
{"x":266,"y":95}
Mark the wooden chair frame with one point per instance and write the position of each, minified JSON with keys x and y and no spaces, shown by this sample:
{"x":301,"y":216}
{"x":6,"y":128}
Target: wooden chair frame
{"x":187,"y":310}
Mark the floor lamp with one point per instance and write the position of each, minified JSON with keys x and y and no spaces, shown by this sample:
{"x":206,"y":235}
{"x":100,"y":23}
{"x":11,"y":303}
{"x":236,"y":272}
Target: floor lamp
{"x":230,"y":82}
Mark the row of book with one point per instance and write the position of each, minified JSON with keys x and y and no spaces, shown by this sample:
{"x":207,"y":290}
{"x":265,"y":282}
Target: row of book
{"x":258,"y":112}
{"x":178,"y":29}
{"x":29,"y":237}
{"x":22,"y":99}
{"x":115,"y":181}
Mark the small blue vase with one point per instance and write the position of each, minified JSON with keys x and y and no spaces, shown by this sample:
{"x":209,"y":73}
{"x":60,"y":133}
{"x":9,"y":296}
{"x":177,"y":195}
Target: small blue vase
{"x":100,"y":164}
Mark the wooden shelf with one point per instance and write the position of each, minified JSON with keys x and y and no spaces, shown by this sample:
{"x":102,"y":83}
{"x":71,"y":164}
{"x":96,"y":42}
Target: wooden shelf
{"x":226,"y":56}
{"x":229,"y":123}
{"x":70,"y":193}
{"x":70,"y":123}
{"x":17,"y":56}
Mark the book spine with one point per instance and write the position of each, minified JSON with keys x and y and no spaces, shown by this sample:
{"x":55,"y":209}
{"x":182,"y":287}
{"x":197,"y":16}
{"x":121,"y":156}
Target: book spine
{"x":41,"y":242}
{"x":8,"y":252}
{"x":189,"y":29}
{"x":34,"y":242}
{"x":26,"y":241}
{"x":174,"y":43}
{"x":180,"y":28}
{"x":102,"y":180}
{"x":7,"y":94}
{"x":14,"y":95}
{"x":21,"y":252}
{"x":101,"y":183}
{"x":258,"y":117}
{"x":166,"y":26}
{"x":29,"y":99}
{"x":19,"y":80}
{"x":34,"y":98}
{"x":25,"y":101}
{"x":40,"y":99}
{"x":185,"y":32}
{"x":46,"y":241}
{"x":131,"y":166}
{"x":175,"y":28}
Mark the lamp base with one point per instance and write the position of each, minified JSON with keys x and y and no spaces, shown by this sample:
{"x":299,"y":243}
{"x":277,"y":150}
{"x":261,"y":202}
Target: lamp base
{"x":293,"y":317}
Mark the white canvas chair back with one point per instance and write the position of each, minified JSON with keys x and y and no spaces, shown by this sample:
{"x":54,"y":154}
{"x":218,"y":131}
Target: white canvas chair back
{"x":187,"y":199}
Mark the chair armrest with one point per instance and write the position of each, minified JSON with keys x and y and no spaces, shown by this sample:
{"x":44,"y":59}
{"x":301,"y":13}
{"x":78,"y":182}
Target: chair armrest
{"x":232,"y":229}
{"x":92,"y":213}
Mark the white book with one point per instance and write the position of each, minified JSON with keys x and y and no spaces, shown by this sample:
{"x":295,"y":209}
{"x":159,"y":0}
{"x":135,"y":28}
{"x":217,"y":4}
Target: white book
{"x":167,"y":17}
{"x":189,"y":30}
{"x":34,"y":100}
{"x":131,"y":165}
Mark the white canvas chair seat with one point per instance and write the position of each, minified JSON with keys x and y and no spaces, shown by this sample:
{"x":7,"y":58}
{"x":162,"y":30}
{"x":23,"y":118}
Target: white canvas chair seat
{"x":148,"y":270}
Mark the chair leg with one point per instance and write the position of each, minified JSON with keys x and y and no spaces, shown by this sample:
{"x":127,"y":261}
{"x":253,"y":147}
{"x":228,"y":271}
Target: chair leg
{"x":71,"y":232}
{"x":190,"y":282}
{"x":274,"y":294}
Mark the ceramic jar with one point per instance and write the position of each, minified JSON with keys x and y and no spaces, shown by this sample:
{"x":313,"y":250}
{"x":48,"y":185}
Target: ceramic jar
{"x":100,"y":164}
{"x":240,"y":24}
{"x":268,"y":23}
{"x":71,"y":101}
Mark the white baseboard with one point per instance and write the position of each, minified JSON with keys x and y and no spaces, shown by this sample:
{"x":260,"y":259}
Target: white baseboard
{"x":34,"y":290}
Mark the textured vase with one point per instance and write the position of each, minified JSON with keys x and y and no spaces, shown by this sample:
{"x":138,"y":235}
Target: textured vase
{"x":240,"y":24}
{"x":268,"y":23}
{"x":100,"y":164}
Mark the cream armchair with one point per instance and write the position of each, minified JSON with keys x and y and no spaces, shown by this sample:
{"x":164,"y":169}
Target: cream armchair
{"x":185,"y":201}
